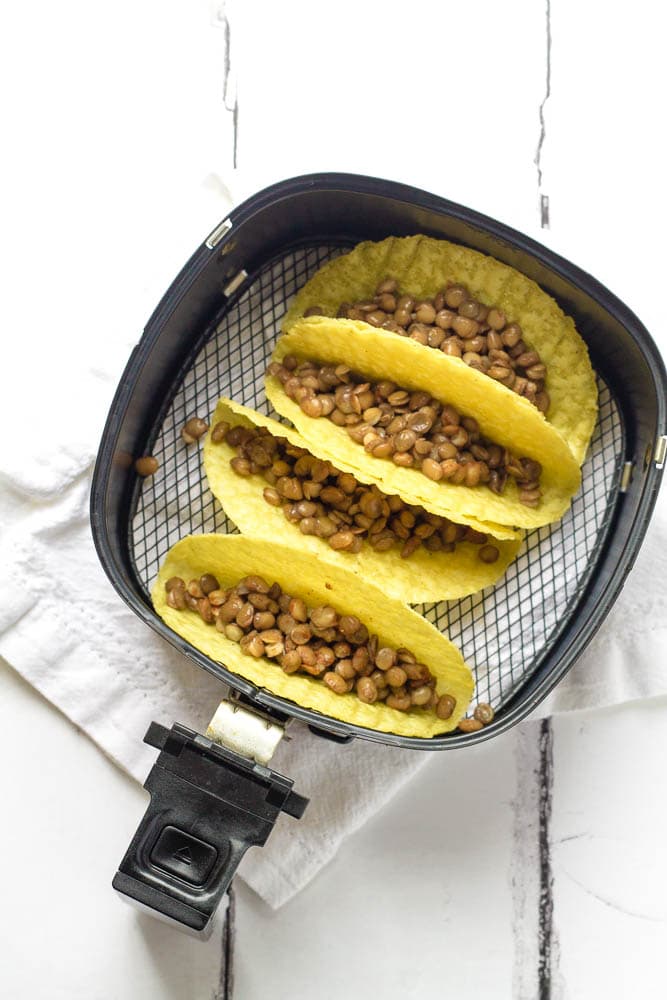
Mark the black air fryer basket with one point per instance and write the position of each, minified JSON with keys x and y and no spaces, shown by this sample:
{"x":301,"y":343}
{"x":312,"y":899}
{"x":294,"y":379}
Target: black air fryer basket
{"x":212,"y":335}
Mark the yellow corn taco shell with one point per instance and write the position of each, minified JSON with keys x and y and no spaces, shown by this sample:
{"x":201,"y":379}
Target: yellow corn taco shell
{"x":231,"y":557}
{"x":423,"y":265}
{"x":424,"y":577}
{"x":503,"y":417}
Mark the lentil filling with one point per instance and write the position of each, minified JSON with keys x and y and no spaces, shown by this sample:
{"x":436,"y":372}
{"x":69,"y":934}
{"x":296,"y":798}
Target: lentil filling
{"x":460,"y":326}
{"x":410,"y":428}
{"x":336,"y":649}
{"x":333,"y":505}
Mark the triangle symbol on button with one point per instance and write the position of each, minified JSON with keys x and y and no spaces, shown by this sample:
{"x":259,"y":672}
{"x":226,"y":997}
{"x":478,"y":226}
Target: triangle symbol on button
{"x":183,"y":855}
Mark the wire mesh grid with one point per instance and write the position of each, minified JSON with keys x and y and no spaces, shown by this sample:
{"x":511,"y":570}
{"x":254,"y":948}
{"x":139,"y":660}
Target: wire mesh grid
{"x":503,"y":631}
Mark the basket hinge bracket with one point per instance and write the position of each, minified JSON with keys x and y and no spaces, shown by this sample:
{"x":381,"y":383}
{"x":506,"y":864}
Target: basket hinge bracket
{"x":216,"y":236}
{"x":626,"y":476}
{"x":235,"y":283}
{"x":250,"y":733}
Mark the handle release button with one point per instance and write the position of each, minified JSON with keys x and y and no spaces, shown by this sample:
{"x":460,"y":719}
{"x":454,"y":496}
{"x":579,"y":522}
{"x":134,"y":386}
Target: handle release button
{"x":183,"y":855}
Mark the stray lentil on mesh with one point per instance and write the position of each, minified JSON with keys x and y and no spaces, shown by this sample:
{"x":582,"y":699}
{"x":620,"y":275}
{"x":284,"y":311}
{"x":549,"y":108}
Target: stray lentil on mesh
{"x":147,"y":465}
{"x":194,"y":429}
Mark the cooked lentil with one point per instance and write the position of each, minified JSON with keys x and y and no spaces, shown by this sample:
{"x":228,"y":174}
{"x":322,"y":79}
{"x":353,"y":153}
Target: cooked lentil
{"x":470,"y":725}
{"x":484,"y":713}
{"x":340,"y":510}
{"x":414,"y":429}
{"x":147,"y":465}
{"x":194,"y":428}
{"x":458,"y":325}
{"x":337,"y":649}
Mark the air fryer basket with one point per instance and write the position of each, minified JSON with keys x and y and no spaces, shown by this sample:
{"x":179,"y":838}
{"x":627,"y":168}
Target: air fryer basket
{"x":213,"y":334}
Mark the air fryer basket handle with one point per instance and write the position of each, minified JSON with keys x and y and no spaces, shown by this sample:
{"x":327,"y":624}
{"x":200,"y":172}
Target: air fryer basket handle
{"x":208,"y":806}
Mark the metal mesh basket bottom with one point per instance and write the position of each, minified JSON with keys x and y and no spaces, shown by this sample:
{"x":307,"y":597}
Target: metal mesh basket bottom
{"x":503,"y":631}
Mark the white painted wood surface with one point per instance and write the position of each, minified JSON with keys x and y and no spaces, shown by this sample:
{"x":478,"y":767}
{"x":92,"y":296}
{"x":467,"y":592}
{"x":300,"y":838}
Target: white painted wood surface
{"x":117,"y":111}
{"x":608,"y":851}
{"x":422,"y":891}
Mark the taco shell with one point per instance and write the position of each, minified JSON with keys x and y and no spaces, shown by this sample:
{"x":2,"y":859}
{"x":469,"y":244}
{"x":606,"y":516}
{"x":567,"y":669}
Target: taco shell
{"x":503,"y":417}
{"x":422,"y":266}
{"x":231,"y":557}
{"x":424,"y":577}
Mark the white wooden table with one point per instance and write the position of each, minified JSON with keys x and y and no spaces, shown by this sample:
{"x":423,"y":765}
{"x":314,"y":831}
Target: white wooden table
{"x":532,"y":866}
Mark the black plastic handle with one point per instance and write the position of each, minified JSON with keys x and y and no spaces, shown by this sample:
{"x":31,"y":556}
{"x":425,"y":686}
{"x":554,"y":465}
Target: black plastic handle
{"x":208,"y":806}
